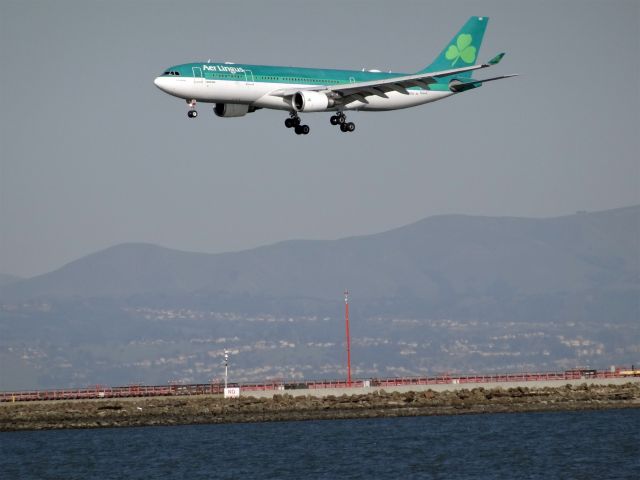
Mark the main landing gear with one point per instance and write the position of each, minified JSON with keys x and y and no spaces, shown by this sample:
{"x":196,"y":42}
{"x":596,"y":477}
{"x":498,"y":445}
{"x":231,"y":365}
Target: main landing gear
{"x":338,"y":119}
{"x":193,"y":113}
{"x":341,"y":119}
{"x":294,"y":122}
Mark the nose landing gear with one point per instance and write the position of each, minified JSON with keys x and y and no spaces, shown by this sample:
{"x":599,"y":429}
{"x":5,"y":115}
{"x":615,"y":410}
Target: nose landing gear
{"x":294,"y":122}
{"x":193,"y":113}
{"x":341,"y":119}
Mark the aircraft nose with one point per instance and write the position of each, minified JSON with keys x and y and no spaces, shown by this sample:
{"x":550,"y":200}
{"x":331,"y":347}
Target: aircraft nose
{"x":163,"y":83}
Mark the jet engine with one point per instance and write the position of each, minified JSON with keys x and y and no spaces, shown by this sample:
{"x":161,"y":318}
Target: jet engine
{"x":304,"y":101}
{"x":232,"y":109}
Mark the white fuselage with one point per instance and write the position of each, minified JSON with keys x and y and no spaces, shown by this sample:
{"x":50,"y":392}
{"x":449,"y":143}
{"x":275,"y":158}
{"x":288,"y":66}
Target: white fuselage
{"x":257,"y":94}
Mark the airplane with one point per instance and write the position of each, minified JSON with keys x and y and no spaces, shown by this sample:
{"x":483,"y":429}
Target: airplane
{"x":239,"y":89}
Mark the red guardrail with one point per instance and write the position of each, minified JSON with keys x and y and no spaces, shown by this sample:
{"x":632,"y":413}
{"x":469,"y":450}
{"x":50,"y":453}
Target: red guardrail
{"x":130,"y":391}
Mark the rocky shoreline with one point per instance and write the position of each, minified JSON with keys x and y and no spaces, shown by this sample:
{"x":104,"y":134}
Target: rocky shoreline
{"x":213,"y":409}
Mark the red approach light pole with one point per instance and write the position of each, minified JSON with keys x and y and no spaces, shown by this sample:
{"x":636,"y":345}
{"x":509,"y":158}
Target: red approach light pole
{"x":346,"y":317}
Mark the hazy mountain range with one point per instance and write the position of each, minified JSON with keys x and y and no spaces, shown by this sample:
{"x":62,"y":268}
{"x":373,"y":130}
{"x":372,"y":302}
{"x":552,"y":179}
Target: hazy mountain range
{"x":447,"y":293}
{"x":6,"y":279}
{"x":444,"y":264}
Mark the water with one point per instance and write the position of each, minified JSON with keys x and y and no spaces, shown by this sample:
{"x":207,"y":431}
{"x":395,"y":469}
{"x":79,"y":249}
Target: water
{"x":580,"y":445}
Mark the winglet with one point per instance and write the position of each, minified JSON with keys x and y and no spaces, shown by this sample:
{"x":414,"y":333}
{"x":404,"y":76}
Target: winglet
{"x":496,"y":60}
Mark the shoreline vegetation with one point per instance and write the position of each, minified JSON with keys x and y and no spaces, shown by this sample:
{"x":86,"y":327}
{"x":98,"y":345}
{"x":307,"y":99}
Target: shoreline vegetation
{"x":210,"y":409}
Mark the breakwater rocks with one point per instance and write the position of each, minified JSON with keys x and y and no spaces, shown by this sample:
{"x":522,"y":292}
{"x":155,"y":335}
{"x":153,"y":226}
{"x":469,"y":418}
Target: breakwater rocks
{"x":213,"y":409}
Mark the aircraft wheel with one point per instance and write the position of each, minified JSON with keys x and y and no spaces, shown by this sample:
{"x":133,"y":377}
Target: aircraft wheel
{"x":296,"y":122}
{"x":343,"y":127}
{"x":351,"y":126}
{"x":298,"y":129}
{"x":304,"y":129}
{"x":288,"y":122}
{"x":333,"y":120}
{"x":192,"y":114}
{"x":341,"y":119}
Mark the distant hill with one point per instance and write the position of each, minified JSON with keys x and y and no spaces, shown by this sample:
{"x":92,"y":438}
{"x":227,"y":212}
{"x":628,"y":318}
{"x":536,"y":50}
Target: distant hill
{"x":6,"y":279}
{"x":450,"y":264}
{"x":447,"y":293}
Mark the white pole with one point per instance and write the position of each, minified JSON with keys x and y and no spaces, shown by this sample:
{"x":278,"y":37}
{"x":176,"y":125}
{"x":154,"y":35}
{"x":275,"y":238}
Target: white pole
{"x":226,"y":367}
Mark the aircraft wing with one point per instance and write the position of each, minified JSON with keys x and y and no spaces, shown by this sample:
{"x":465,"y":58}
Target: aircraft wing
{"x":348,"y":92}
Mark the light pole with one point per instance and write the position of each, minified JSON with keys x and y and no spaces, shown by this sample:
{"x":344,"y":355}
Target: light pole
{"x":226,"y":367}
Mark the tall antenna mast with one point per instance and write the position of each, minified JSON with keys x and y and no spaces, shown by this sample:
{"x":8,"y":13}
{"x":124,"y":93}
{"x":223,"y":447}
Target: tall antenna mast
{"x":346,"y":318}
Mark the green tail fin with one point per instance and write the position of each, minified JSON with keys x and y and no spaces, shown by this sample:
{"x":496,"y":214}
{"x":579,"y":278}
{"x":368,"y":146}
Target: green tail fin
{"x":463,"y":49}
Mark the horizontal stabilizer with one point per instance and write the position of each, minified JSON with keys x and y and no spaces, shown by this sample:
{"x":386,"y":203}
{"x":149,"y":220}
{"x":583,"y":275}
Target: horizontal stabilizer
{"x":463,"y":87}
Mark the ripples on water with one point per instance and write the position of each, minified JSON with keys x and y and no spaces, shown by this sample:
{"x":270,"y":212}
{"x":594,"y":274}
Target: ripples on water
{"x":581,"y":445}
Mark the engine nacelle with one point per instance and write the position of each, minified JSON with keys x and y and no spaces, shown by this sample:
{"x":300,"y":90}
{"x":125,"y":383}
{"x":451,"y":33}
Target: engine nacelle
{"x":304,"y":101}
{"x":231,"y":110}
